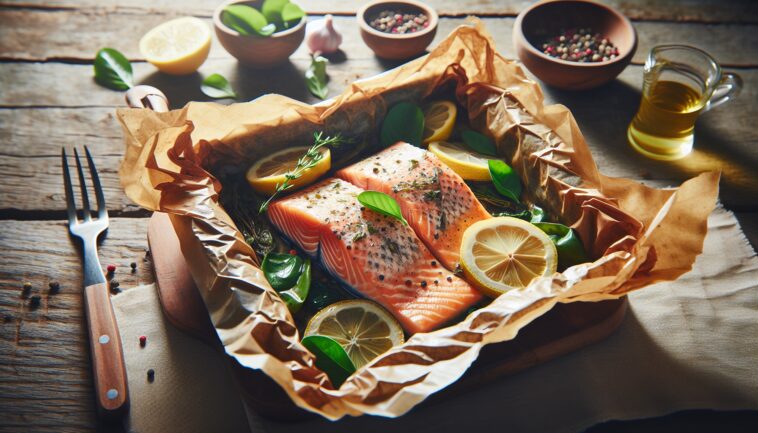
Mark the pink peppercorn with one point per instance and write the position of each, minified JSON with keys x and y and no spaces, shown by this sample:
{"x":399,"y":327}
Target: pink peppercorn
{"x":142,"y":340}
{"x":111,"y":269}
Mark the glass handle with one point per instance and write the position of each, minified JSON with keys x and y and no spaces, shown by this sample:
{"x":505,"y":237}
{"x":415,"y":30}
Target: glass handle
{"x":728,"y":88}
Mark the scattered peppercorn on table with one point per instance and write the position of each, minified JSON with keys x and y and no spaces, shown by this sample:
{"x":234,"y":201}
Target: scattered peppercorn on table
{"x":49,"y":99}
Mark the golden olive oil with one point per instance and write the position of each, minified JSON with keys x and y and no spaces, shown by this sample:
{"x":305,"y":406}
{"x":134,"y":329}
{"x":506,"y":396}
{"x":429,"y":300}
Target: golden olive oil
{"x":664,"y":125}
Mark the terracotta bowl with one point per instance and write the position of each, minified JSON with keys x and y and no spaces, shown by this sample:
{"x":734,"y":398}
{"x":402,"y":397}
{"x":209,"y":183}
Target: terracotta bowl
{"x":396,"y":46}
{"x":258,"y":51}
{"x":547,"y":19}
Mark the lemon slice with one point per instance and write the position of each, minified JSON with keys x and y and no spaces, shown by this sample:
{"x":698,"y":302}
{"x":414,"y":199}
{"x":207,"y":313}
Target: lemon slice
{"x":177,"y":47}
{"x":363,"y":328}
{"x":268,"y":172}
{"x":467,"y":163}
{"x":504,"y":253}
{"x":439,"y":119}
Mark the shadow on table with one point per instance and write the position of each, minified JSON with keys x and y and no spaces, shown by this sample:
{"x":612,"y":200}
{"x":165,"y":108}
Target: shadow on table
{"x":249,"y":84}
{"x":604,"y":113}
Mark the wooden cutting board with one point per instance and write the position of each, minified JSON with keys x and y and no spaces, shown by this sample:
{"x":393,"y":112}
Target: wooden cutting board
{"x":566,"y":328}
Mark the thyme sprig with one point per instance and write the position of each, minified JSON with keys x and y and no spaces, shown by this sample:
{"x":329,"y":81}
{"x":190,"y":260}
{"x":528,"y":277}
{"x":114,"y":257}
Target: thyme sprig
{"x":309,"y":160}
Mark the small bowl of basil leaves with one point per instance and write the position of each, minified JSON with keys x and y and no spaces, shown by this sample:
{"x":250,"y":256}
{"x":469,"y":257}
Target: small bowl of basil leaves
{"x":260,"y":33}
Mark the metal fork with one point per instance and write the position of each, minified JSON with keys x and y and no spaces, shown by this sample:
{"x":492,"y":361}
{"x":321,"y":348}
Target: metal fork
{"x":111,"y":393}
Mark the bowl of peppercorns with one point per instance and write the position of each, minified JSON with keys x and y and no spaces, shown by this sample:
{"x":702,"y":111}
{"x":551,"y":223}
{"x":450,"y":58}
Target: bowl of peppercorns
{"x":574,"y":44}
{"x":397,"y":29}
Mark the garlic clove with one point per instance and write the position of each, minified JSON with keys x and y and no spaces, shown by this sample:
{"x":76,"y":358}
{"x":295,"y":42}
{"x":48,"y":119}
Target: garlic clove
{"x":321,"y":36}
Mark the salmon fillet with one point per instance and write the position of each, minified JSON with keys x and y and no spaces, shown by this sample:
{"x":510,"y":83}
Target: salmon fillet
{"x":437,"y":203}
{"x":375,"y":256}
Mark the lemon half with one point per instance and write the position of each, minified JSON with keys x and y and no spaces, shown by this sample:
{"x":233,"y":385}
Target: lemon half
{"x":177,"y":47}
{"x":468,"y":164}
{"x":504,"y":253}
{"x":363,"y":328}
{"x":439,"y":120}
{"x":270,"y":171}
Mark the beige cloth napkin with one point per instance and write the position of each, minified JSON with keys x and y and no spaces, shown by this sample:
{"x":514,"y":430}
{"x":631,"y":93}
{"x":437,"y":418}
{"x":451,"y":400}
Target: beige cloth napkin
{"x":683,"y":345}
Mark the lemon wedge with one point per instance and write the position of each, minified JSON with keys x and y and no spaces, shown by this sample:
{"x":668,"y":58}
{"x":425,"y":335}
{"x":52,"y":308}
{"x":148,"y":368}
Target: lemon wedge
{"x":439,"y":119}
{"x":270,"y":171}
{"x":177,"y":47}
{"x":504,"y":253}
{"x":468,"y":164}
{"x":363,"y":328}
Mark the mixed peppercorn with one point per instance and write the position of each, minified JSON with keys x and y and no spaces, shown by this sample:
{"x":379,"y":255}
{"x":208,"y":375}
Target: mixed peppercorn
{"x":580,"y":45}
{"x":390,"y":21}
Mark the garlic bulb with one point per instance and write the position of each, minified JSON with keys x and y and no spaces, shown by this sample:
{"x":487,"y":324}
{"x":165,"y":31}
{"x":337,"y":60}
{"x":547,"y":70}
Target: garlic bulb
{"x":322,"y":37}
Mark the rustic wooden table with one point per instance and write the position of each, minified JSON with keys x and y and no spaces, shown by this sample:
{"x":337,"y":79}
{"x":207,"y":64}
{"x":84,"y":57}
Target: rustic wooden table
{"x":48,"y":99}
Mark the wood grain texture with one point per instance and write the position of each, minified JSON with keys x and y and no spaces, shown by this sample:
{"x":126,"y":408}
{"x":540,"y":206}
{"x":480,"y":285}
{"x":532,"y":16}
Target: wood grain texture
{"x":29,"y":154}
{"x":76,"y":35}
{"x":660,"y":10}
{"x":45,"y":376}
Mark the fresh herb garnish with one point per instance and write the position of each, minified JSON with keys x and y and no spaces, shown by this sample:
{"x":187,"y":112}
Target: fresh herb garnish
{"x":316,"y":78}
{"x":506,"y":180}
{"x":217,"y":86}
{"x":290,"y":275}
{"x":246,"y":20}
{"x":479,"y":143}
{"x":570,"y":249}
{"x":274,"y":16}
{"x":381,"y":203}
{"x":113,"y":70}
{"x":403,"y":122}
{"x":331,"y":358}
{"x":309,"y":160}
{"x":432,"y":195}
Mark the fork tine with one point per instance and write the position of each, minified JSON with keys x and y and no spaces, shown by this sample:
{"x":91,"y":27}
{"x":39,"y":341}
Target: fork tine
{"x":70,"y":204}
{"x":86,"y":216}
{"x":101,"y":211}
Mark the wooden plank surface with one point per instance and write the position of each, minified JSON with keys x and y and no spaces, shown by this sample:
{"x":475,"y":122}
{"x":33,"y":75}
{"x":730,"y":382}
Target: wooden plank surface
{"x":45,"y":380}
{"x":659,"y":10}
{"x":76,"y":35}
{"x":48,"y":99}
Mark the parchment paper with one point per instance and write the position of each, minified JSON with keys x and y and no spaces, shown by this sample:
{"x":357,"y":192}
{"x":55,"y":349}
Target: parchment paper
{"x":638,"y":235}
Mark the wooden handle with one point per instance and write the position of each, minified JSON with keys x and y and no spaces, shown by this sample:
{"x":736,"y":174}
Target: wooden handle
{"x":111,"y":393}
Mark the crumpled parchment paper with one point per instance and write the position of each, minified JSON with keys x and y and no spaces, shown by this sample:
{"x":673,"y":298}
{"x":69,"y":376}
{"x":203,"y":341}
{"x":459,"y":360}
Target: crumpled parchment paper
{"x":638,"y":234}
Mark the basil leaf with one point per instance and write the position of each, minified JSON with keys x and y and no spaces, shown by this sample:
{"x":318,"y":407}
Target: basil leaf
{"x":246,"y":20}
{"x":272,"y":10}
{"x":537,"y":215}
{"x":292,"y":12}
{"x":315,"y":77}
{"x":570,"y":249}
{"x":113,"y":70}
{"x":216,"y":86}
{"x":290,"y":275}
{"x":296,"y":296}
{"x":331,"y":358}
{"x":282,"y":270}
{"x":403,"y":122}
{"x":381,"y":203}
{"x":506,"y":180}
{"x":479,"y":143}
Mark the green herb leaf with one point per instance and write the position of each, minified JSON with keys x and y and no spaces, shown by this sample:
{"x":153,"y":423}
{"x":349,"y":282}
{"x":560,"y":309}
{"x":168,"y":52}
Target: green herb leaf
{"x":506,"y":180}
{"x":381,"y":203}
{"x":246,"y":20}
{"x":292,"y":12}
{"x":479,"y":143}
{"x":296,"y":296}
{"x":538,"y":215}
{"x":331,"y":358}
{"x":216,"y":86}
{"x":570,"y":249}
{"x":403,"y":122}
{"x":289,"y":275}
{"x":315,"y":77}
{"x":272,"y":10}
{"x":113,"y":70}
